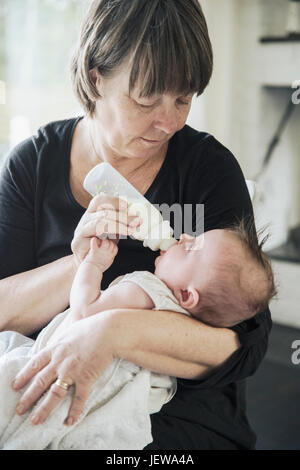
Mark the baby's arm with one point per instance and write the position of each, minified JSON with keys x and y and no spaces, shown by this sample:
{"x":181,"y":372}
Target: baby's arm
{"x":126,"y":294}
{"x":86,"y":297}
{"x":86,"y":287}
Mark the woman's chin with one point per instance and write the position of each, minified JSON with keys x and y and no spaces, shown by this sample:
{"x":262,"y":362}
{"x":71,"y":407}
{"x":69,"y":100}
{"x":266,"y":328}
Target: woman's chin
{"x":145,"y":148}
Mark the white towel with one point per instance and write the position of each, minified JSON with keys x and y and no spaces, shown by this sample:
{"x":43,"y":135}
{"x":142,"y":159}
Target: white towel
{"x":117,"y":412}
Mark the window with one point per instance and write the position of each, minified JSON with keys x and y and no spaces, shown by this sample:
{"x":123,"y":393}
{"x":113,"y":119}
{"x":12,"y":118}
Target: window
{"x":36,"y":41}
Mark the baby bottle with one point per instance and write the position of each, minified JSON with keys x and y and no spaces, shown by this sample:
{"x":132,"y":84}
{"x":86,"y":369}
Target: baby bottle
{"x":155,"y":232}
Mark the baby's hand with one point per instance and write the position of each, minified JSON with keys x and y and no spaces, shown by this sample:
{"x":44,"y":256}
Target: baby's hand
{"x":102,"y":253}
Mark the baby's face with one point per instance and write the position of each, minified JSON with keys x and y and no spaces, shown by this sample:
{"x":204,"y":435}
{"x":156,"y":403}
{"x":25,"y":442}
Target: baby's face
{"x":174,"y":265}
{"x":191,"y":258}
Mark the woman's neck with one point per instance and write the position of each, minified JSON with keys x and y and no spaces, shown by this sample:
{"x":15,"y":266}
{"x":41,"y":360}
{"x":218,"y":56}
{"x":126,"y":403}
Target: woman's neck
{"x":128,"y":167}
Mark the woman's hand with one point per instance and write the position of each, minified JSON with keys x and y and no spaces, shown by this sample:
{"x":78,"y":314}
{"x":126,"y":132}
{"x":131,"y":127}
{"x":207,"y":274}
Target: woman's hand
{"x":105,"y":215}
{"x":78,"y":358}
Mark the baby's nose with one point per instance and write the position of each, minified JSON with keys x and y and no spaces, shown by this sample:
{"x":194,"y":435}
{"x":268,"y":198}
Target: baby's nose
{"x":186,"y":236}
{"x":183,"y":237}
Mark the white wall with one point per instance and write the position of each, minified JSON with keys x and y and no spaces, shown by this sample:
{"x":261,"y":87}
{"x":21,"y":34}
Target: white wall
{"x":213,"y":110}
{"x":243,"y":114}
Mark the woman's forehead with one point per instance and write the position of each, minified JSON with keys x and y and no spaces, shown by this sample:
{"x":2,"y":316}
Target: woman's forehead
{"x":141,"y":90}
{"x":139,"y":87}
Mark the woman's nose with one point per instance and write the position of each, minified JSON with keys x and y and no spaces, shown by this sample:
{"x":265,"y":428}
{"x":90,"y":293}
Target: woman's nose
{"x":169,"y":121}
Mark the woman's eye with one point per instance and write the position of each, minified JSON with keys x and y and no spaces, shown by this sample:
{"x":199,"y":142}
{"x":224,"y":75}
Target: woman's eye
{"x":146,"y":106}
{"x":183,"y":103}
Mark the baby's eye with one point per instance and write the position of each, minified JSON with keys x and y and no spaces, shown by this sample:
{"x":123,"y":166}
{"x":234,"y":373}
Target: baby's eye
{"x":187,"y":245}
{"x":190,"y":246}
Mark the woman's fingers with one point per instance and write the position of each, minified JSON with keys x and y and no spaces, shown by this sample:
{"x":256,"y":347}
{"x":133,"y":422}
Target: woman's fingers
{"x":105,"y":215}
{"x":38,"y":362}
{"x":115,"y":219}
{"x":75,"y":360}
{"x":110,"y":208}
{"x":105,"y":201}
{"x":39,"y":385}
{"x":55,"y":395}
{"x":51,"y":400}
{"x":99,"y":223}
{"x":80,"y":396}
{"x":109,"y":224}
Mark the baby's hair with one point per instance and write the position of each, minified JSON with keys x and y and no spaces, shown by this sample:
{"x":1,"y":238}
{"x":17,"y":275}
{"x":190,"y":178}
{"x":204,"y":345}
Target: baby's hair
{"x":246,"y":232}
{"x":238,"y":293}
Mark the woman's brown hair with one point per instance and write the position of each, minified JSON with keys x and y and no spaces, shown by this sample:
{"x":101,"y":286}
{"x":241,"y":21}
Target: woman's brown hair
{"x":167,"y":42}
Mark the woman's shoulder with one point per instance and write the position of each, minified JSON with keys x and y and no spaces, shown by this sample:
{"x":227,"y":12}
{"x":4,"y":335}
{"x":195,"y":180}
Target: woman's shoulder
{"x":46,"y":137}
{"x":199,"y":156}
{"x":188,"y":139}
{"x":48,"y":143}
{"x":201,"y":149}
{"x":56,"y":129}
{"x":209,"y":174}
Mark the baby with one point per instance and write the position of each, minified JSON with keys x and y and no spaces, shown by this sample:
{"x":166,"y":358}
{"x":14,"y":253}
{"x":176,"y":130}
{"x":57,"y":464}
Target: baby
{"x":221,"y":277}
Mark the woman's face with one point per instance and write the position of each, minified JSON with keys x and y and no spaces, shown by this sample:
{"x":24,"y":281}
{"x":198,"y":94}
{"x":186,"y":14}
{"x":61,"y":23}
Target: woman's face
{"x":130,"y":126}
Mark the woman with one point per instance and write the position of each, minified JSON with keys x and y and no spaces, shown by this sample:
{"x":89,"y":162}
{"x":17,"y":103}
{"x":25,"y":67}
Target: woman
{"x":136,"y":69}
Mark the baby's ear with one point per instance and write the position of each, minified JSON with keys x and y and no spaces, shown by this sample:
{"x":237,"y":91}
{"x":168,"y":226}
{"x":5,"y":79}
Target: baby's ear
{"x":188,"y":298}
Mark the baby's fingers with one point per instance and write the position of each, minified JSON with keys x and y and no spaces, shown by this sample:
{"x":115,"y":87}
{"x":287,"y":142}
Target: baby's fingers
{"x":104,"y":243}
{"x":95,"y":243}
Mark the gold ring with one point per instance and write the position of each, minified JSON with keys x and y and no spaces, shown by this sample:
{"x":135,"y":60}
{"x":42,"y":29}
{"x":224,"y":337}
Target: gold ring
{"x":60,"y":383}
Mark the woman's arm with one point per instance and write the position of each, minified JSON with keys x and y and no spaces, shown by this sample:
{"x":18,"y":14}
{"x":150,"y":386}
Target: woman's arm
{"x":163,"y":341}
{"x":171,"y":343}
{"x":29,"y":300}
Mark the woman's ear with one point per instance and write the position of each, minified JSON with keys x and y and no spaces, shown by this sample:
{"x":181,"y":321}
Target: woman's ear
{"x":95,"y":77}
{"x":188,"y":298}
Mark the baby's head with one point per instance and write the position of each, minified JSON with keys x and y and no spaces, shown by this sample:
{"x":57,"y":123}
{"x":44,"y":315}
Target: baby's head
{"x":221,"y":277}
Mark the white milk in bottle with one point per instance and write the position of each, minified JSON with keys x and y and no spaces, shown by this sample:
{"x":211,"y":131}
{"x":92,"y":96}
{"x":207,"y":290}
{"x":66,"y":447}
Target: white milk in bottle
{"x":155,"y":232}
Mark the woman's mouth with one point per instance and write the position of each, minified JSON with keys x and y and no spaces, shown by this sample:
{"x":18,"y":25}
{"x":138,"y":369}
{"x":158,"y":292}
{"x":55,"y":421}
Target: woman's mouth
{"x":153,"y":142}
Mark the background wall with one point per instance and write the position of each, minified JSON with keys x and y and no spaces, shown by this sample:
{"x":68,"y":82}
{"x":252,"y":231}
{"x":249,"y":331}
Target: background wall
{"x":246,"y":98}
{"x":242,"y":107}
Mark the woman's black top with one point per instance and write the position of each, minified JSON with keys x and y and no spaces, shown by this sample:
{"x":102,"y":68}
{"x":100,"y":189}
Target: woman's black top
{"x":38,"y":216}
